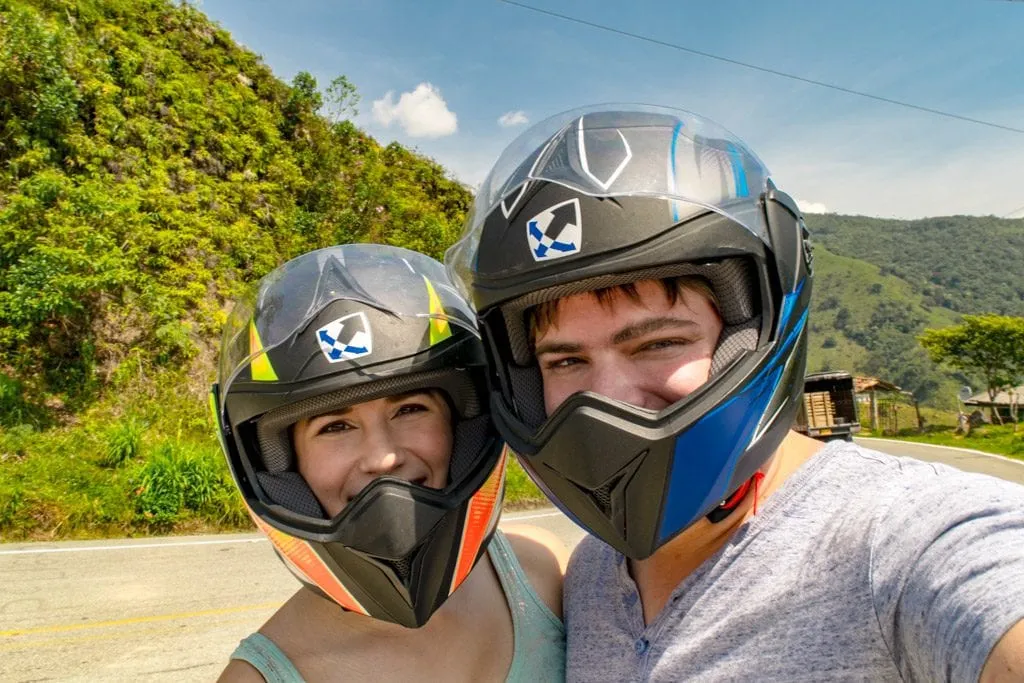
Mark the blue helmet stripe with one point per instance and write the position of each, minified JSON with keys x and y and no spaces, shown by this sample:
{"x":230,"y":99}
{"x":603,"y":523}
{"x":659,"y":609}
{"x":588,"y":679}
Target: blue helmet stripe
{"x":672,"y":169}
{"x":739,"y":174}
{"x":697,"y":480}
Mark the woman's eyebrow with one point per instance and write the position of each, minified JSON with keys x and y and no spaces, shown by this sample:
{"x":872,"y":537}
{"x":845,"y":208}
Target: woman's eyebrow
{"x":643,"y":327}
{"x":396,"y":398}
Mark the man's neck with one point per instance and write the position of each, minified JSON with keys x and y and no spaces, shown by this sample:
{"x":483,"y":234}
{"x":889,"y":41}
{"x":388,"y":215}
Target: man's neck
{"x":657,"y":576}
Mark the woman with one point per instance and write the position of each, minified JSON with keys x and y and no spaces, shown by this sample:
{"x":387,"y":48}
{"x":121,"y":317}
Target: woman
{"x":351,"y":404}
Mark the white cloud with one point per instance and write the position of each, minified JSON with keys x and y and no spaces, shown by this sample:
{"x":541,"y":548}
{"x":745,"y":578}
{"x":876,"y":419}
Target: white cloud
{"x":513,"y":118}
{"x":811,"y":207}
{"x":422,"y":113}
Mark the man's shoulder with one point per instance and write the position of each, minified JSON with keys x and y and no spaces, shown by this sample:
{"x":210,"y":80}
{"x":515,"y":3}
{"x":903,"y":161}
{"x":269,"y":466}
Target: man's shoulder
{"x":865,"y":469}
{"x":591,"y":550}
{"x":858,"y":485}
{"x":592,"y":558}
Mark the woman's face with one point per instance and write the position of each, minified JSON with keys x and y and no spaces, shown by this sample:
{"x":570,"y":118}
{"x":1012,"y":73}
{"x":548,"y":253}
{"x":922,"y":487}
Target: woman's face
{"x":408,"y":436}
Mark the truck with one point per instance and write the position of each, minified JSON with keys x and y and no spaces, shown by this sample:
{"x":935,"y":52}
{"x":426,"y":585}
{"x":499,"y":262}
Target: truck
{"x":829,"y":409}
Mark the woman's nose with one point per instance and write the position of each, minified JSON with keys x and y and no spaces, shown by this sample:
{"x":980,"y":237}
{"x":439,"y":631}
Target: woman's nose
{"x":381,"y":456}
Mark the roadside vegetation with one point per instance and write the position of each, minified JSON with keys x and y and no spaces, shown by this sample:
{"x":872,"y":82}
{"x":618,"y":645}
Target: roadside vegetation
{"x":941,"y":430}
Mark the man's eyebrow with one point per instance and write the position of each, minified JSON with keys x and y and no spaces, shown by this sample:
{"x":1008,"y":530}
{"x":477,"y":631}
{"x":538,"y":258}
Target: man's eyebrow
{"x":557,"y":347}
{"x":643,"y":327}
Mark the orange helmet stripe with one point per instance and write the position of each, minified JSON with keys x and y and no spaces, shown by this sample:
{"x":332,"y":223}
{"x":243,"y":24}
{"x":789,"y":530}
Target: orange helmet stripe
{"x":303,"y":560}
{"x":481,"y":517}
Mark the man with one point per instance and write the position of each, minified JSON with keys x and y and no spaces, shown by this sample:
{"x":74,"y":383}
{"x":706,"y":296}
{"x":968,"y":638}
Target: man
{"x":643,"y":290}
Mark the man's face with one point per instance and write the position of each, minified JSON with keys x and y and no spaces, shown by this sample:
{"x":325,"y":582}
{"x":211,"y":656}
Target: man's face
{"x":648,"y":351}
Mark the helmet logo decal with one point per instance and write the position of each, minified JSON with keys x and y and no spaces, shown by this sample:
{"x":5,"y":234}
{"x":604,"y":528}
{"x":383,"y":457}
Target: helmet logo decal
{"x":626,"y":152}
{"x":346,"y":338}
{"x":556,"y":231}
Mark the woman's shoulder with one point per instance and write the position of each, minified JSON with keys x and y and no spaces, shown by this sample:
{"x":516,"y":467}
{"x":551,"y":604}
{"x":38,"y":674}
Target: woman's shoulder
{"x":240,"y":671}
{"x":258,"y":659}
{"x":543,"y":557}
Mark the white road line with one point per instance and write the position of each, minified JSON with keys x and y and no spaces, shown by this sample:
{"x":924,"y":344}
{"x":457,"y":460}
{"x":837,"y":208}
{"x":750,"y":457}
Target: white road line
{"x":951,"y":448}
{"x":538,"y":515}
{"x":223,"y":541}
{"x":128,"y":546}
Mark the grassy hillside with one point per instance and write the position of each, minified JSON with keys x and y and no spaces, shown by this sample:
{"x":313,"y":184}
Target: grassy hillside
{"x":865,"y":321}
{"x":968,"y":264}
{"x":150,"y":169}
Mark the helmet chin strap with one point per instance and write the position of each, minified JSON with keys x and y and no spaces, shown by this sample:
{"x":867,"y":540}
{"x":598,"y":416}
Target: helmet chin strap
{"x":729,"y":505}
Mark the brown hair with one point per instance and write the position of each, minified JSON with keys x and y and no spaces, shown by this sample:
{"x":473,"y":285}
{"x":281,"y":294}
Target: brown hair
{"x":541,"y":316}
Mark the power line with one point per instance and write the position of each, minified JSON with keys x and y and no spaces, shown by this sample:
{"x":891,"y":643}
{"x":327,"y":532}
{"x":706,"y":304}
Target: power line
{"x":1017,"y":210}
{"x":763,"y":69}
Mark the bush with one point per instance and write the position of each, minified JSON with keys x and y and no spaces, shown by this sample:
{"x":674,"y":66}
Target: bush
{"x":178,"y":480}
{"x":122,"y":442}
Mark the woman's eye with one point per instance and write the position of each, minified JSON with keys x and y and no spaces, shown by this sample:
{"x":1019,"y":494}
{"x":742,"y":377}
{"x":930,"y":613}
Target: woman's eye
{"x":408,"y":408}
{"x":334,"y":427}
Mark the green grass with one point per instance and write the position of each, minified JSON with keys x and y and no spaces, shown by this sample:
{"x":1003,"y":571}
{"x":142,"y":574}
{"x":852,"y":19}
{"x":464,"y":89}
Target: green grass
{"x":997,"y":439}
{"x":520,"y":491}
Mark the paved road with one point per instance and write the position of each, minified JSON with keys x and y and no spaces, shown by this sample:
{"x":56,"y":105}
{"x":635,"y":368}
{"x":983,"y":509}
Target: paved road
{"x":172,"y":609}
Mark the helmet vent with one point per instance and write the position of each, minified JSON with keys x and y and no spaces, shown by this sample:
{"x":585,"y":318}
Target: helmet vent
{"x":403,"y":568}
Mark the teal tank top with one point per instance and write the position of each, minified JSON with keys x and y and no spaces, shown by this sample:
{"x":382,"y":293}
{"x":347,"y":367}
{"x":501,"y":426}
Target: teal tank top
{"x":539,"y":647}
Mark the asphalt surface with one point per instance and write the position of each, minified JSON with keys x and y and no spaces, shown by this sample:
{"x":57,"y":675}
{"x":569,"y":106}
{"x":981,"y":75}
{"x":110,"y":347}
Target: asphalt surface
{"x":172,"y":609}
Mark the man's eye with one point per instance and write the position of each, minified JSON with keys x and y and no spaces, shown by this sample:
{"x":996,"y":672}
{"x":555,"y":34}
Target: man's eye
{"x":562,"y":363}
{"x":663,"y":344}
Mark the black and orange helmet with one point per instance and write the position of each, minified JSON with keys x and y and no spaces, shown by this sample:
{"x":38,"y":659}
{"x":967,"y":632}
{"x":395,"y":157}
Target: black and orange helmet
{"x":330,"y":329}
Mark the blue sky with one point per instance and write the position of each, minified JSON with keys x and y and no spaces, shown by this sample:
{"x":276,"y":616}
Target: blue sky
{"x":438,"y":75}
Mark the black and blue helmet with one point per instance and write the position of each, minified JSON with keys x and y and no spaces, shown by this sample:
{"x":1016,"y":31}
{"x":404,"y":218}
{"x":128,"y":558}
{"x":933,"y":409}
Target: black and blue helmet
{"x":609,"y":195}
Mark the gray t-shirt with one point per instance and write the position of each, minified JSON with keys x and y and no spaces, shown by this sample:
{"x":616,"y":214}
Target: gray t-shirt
{"x":861,"y":567}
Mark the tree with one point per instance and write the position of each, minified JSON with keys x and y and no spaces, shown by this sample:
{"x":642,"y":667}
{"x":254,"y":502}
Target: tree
{"x":342,"y":99}
{"x":990,"y":345}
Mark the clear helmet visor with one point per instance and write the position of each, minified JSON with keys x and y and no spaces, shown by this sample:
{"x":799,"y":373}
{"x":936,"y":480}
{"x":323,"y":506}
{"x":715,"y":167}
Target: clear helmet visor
{"x":623,"y":150}
{"x":391,"y":279}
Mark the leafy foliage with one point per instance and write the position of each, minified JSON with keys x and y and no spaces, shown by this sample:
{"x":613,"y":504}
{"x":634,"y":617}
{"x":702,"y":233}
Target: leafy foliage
{"x":179,"y":479}
{"x":990,"y":345}
{"x":149,"y":168}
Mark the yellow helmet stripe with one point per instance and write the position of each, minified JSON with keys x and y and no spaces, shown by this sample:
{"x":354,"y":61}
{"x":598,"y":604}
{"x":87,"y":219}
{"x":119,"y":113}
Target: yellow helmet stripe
{"x":440,"y":329}
{"x":260,"y":367}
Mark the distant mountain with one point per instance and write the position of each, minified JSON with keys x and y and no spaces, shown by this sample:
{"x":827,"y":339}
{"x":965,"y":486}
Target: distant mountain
{"x":968,"y":264}
{"x":879,"y":283}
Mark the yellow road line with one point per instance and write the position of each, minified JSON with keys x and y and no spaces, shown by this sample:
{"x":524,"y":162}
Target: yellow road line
{"x":58,"y":628}
{"x":159,"y":630}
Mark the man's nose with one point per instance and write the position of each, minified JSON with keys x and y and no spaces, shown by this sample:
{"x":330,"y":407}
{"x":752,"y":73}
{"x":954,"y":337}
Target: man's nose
{"x":620,"y":382}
